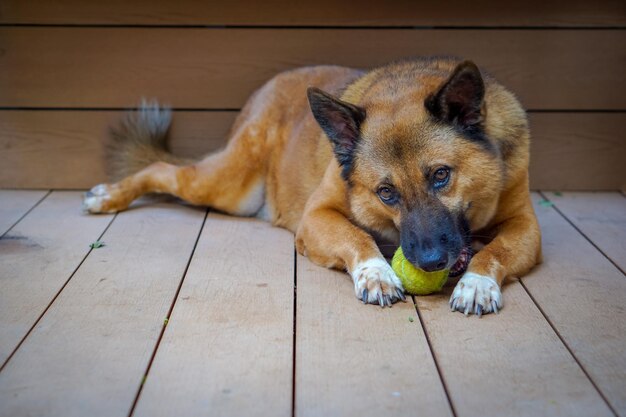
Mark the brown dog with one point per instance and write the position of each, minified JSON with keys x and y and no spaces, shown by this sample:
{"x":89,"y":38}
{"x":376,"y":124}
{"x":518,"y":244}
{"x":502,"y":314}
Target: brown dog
{"x":427,"y":154}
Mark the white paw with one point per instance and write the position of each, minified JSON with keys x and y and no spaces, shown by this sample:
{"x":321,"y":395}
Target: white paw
{"x":93,"y":199}
{"x":376,"y":283}
{"x":476,"y":294}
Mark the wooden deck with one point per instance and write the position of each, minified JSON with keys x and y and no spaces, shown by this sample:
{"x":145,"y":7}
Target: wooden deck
{"x":186,"y":312}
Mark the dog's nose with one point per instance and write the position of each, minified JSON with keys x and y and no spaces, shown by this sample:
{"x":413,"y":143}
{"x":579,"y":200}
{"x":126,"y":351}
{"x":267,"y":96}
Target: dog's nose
{"x":432,"y":259}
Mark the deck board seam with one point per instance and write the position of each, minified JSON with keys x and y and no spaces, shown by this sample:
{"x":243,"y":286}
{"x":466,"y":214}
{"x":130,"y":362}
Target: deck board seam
{"x":555,"y":207}
{"x":569,"y":350}
{"x":295,"y":323}
{"x":168,"y":316}
{"x":230,"y":26}
{"x":56,"y":295}
{"x":26,"y":214}
{"x":432,"y":354}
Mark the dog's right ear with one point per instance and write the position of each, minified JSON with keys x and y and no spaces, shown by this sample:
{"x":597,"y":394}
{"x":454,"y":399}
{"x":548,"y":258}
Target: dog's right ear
{"x":341,"y":121}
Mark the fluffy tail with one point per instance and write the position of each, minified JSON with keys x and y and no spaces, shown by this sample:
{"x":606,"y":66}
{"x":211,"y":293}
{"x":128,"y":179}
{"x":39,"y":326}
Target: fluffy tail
{"x":139,"y":140}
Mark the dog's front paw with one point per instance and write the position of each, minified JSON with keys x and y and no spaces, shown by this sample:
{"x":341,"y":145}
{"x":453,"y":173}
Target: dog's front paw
{"x":376,"y":283}
{"x":98,"y":199}
{"x":476,"y":294}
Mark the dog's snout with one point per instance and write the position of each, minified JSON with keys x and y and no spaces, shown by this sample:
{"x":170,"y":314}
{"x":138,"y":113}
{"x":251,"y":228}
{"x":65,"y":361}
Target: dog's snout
{"x":431,"y":236}
{"x":433,"y":259}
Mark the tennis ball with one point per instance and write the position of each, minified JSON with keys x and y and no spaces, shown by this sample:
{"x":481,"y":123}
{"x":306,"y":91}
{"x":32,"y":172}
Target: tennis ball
{"x":416,"y":281}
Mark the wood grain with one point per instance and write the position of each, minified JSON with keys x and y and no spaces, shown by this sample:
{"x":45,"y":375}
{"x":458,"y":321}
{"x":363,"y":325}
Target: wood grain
{"x":88,"y":354}
{"x":601,"y":217}
{"x":510,"y":364}
{"x":353,"y":359}
{"x":582,"y":294}
{"x":14,"y":204}
{"x":64,"y":149}
{"x":582,"y":151}
{"x":321,"y":12}
{"x":220,"y":68}
{"x":231,"y":331}
{"x":37,"y":257}
{"x":578,"y":151}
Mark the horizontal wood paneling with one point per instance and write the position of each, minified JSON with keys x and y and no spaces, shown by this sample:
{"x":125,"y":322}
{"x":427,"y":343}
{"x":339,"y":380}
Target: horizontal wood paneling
{"x":41,"y":149}
{"x":219,"y":68}
{"x":321,"y":12}
{"x":578,"y":151}
{"x":63,"y":149}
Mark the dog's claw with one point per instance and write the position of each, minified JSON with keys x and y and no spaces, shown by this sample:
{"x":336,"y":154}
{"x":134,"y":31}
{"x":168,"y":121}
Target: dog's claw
{"x":479,"y":310}
{"x":381,"y":301}
{"x":364,"y":296}
{"x":400,"y":294}
{"x":494,"y":306}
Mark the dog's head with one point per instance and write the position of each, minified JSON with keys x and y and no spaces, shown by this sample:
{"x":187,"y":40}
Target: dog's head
{"x":419,"y":166}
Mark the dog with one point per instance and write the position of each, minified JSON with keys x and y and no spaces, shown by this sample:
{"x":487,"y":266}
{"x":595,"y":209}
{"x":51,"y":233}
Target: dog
{"x":428,"y":154}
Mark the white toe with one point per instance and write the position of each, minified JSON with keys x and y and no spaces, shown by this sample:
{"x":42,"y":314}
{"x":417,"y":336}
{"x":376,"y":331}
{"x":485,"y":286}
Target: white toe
{"x":476,"y":294}
{"x":376,"y":283}
{"x":93,"y":199}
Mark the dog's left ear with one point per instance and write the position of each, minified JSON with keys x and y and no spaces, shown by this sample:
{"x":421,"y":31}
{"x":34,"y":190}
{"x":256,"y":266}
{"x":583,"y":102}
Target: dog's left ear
{"x":341,"y":121}
{"x":459,"y":100}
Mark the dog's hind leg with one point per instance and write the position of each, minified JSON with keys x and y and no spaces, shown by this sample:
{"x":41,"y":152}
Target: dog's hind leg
{"x":232,"y":180}
{"x":213,"y":182}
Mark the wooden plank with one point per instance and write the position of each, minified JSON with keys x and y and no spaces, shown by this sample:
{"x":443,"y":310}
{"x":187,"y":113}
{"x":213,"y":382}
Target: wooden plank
{"x":581,"y":151}
{"x":231,"y":330}
{"x":353,"y":359}
{"x":14,"y":204}
{"x":37,"y":257}
{"x":88,"y":354}
{"x":219,"y":68}
{"x":582,"y":294}
{"x":63,"y":149}
{"x":577,"y":151}
{"x":321,"y":12}
{"x":510,"y":364}
{"x":600,"y":216}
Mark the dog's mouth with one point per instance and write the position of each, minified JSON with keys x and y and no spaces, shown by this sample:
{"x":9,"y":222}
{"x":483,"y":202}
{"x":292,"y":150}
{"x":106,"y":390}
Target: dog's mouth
{"x":461,"y":263}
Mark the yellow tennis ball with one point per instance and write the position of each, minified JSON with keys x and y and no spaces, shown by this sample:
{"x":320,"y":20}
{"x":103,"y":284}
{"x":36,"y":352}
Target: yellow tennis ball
{"x":416,"y":281}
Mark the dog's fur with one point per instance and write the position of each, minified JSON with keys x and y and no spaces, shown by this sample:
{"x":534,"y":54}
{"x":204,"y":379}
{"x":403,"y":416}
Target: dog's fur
{"x":425,"y":153}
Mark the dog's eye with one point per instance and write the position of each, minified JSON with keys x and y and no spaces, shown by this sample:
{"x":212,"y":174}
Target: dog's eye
{"x":387,"y":194}
{"x":441,"y":177}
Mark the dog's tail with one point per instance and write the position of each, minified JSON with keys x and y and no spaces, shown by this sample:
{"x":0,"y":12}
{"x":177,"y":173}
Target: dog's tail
{"x":139,"y":140}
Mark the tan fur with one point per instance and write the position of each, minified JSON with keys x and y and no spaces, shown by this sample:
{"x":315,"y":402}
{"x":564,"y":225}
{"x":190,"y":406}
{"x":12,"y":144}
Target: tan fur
{"x":276,"y":144}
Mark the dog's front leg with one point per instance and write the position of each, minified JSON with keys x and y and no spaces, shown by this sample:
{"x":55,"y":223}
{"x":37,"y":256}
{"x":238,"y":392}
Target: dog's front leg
{"x":328,"y":238}
{"x":515,"y":249}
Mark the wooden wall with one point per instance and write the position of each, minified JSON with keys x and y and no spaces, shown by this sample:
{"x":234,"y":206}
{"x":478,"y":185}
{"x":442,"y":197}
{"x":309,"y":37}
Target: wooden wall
{"x":69,"y":67}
